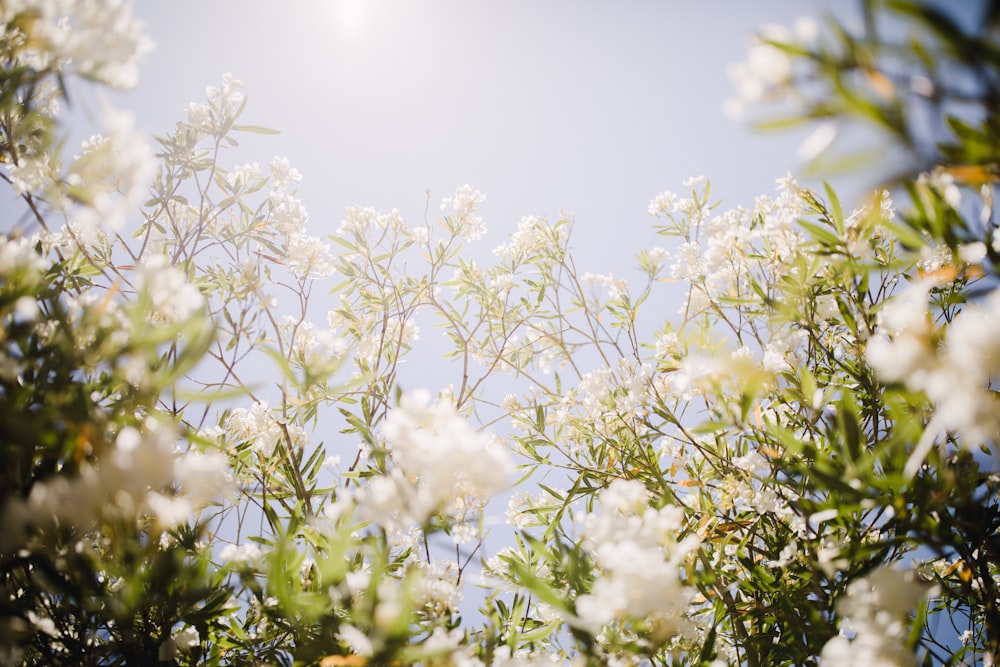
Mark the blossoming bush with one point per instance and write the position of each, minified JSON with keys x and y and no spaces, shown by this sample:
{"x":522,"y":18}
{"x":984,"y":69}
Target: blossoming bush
{"x":208,"y":460}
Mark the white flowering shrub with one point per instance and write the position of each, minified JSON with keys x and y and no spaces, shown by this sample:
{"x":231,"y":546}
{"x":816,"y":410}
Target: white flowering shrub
{"x":206,"y":460}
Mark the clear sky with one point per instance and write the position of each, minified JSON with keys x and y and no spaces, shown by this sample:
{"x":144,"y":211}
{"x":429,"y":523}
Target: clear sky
{"x":576,"y":105}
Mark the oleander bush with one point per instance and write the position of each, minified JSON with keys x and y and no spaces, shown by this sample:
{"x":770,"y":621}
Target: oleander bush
{"x":213,"y":454}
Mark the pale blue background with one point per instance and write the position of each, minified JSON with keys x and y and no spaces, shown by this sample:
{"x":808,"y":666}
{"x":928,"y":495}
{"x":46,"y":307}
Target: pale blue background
{"x":580,"y":106}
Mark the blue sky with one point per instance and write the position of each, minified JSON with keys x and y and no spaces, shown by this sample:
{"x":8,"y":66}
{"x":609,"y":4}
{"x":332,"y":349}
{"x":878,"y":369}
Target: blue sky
{"x":586,"y":107}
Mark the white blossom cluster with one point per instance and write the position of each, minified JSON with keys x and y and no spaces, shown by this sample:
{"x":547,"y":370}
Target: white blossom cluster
{"x":259,"y":427}
{"x":223,"y":103}
{"x":132,"y":479}
{"x":875,"y":628}
{"x":171,"y":298}
{"x":639,"y":556}
{"x":307,"y":256}
{"x":18,"y":256}
{"x":720,"y":253}
{"x":605,"y":402}
{"x":99,"y":39}
{"x":767,"y":70}
{"x":318,"y":351}
{"x":534,"y":237}
{"x":442,"y":467}
{"x":109,"y":176}
{"x":465,"y":205}
{"x":361,"y":221}
{"x":954,"y":368}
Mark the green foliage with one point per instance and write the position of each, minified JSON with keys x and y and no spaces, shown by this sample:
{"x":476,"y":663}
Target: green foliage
{"x":200,"y":468}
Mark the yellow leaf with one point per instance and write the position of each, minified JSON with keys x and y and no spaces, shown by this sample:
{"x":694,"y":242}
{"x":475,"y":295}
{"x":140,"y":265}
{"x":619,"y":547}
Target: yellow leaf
{"x":700,"y":530}
{"x":769,"y":452}
{"x":730,"y":526}
{"x":881,"y":84}
{"x":945,"y":274}
{"x":954,"y":566}
{"x":343,"y":661}
{"x":103,"y":305}
{"x":972,"y":174}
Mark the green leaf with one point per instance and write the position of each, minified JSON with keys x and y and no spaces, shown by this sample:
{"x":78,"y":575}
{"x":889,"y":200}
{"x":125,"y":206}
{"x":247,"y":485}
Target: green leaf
{"x":780,"y":123}
{"x":255,"y":129}
{"x":835,"y":210}
{"x":823,"y":236}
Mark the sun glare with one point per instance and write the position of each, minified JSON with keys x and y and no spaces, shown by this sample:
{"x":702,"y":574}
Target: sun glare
{"x":349,"y":16}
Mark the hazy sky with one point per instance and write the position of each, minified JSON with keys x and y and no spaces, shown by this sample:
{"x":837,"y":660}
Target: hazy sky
{"x":583,"y":106}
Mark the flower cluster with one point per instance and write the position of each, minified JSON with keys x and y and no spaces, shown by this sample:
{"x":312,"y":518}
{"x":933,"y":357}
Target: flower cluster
{"x":767,"y":70}
{"x":442,"y":467}
{"x":465,"y":205}
{"x":170,"y":296}
{"x":98,"y":39}
{"x":259,"y":427}
{"x":639,"y":556}
{"x":110,"y":175}
{"x":954,"y":365}
{"x":133,"y":478}
{"x":875,"y":630}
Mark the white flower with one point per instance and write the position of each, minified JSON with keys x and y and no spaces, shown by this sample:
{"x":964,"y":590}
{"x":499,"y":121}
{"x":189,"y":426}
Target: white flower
{"x":171,"y":297}
{"x":98,"y":39}
{"x":288,"y":215}
{"x":258,"y":426}
{"x":442,"y":465}
{"x":689,"y":264}
{"x":43,"y":624}
{"x":768,"y":68}
{"x":466,"y":204}
{"x":875,"y":608}
{"x":121,"y":487}
{"x":170,"y":511}
{"x":244,"y":176}
{"x":421,"y":235}
{"x":187,"y":639}
{"x":765,"y":68}
{"x":773,"y":360}
{"x":31,"y":172}
{"x":534,"y":236}
{"x":111,"y":174}
{"x":955,"y":376}
{"x":19,"y":255}
{"x":437,"y":590}
{"x":244,"y":553}
{"x":182,"y":642}
{"x":972,"y":253}
{"x":282,"y":173}
{"x":308,"y":256}
{"x":663,"y":204}
{"x":26,"y":309}
{"x":224,"y":100}
{"x":944,"y":184}
{"x":635,"y":547}
{"x":203,"y":475}
{"x":355,"y":639}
